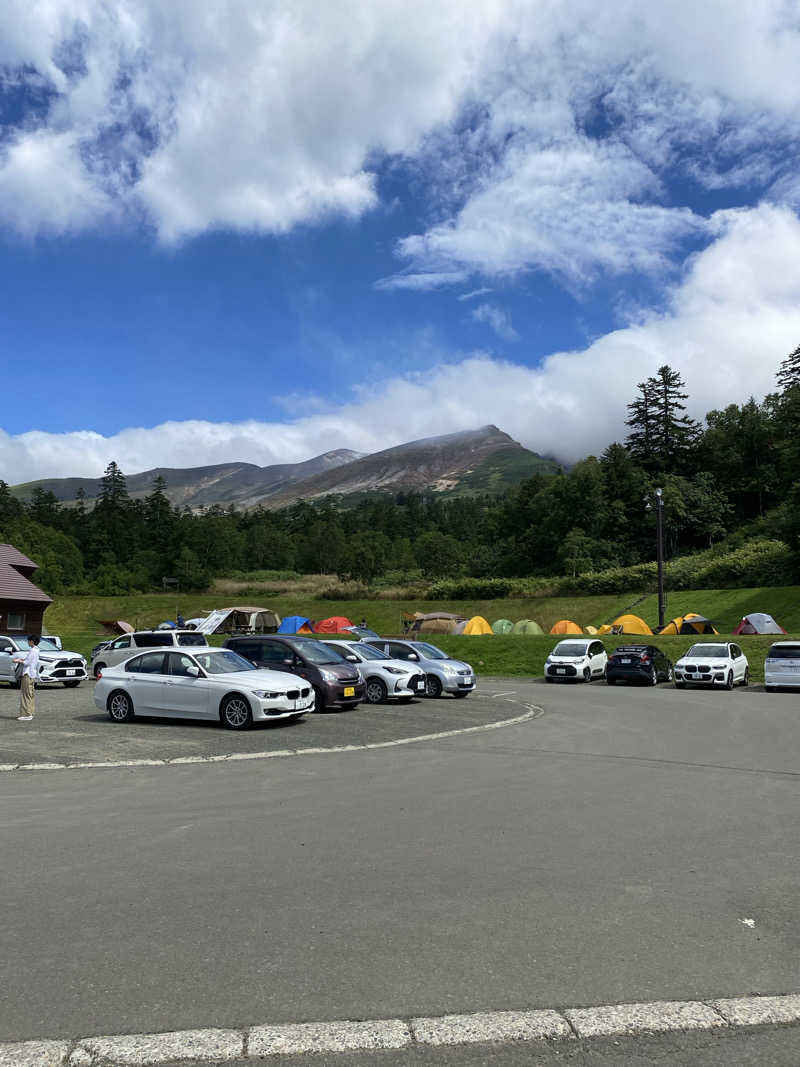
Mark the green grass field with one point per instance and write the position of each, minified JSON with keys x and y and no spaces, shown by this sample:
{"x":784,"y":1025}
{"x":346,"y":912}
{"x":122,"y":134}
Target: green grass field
{"x":77,"y":619}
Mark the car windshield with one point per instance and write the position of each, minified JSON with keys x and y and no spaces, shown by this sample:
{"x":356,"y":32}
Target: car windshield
{"x":44,"y":643}
{"x":569,"y":648}
{"x":784,"y":652}
{"x":430,"y":651}
{"x":368,"y":652}
{"x":319,"y":652}
{"x":704,"y":651}
{"x":223,"y":662}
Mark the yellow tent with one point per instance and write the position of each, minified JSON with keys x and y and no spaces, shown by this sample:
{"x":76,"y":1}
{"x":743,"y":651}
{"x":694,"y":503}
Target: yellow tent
{"x":630,"y":624}
{"x":604,"y":629}
{"x":688,"y":624}
{"x":477,"y":625}
{"x":591,"y":630}
{"x":565,"y":626}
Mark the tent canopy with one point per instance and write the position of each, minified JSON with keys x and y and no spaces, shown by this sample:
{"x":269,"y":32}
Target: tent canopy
{"x":502,"y":626}
{"x":688,"y":624}
{"x":758,"y":623}
{"x":565,"y":626}
{"x":477,"y":625}
{"x":237,"y":619}
{"x":529,"y":627}
{"x":337,"y":624}
{"x":438,"y":626}
{"x":116,"y":626}
{"x":296,"y":624}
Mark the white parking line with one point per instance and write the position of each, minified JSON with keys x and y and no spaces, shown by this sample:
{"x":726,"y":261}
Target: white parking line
{"x":218,"y":1046}
{"x":532,"y":712}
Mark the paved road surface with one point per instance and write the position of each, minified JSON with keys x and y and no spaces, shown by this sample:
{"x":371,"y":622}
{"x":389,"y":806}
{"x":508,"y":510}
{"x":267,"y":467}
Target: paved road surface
{"x":627,"y":845}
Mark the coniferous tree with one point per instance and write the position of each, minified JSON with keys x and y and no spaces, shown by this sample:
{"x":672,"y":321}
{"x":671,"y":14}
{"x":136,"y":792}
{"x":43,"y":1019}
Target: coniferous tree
{"x":789,"y":373}
{"x":641,"y":420}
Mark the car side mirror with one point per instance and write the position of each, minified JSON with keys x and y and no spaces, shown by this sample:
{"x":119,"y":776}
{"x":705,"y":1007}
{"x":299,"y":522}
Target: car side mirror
{"x":194,"y":671}
{"x":289,"y":661}
{"x":413,"y":655}
{"x":352,"y":658}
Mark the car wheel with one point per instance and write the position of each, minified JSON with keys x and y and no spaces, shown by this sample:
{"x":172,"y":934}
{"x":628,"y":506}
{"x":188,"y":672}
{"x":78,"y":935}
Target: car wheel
{"x":71,"y":685}
{"x":729,"y":680}
{"x":433,"y":687}
{"x":235,"y":712}
{"x":587,"y":674}
{"x":97,"y":668}
{"x":745,"y":678}
{"x":319,"y":700}
{"x":653,"y":676}
{"x":120,"y":707}
{"x":460,"y":694}
{"x":375,"y":691}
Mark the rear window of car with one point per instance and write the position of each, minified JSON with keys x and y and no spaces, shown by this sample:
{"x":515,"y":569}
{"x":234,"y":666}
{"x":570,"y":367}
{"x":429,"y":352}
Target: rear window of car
{"x":192,"y":639}
{"x":152,"y":640}
{"x":784,"y":652}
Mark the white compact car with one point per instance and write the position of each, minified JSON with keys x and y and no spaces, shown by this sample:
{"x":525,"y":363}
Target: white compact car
{"x":385,"y":677}
{"x":712,"y":663}
{"x":782,"y":666}
{"x":56,"y":666}
{"x":575,"y":660}
{"x":205,"y":683}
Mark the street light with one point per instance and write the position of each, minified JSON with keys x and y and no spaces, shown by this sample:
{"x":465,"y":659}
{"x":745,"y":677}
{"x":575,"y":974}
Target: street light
{"x":659,"y":505}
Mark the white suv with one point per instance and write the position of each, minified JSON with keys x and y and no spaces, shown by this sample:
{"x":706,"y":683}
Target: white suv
{"x":782,"y":666}
{"x":575,"y":660}
{"x":128,"y":645}
{"x":712,"y":663}
{"x":55,"y":664}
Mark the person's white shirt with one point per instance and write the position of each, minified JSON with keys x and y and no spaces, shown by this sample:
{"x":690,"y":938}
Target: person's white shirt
{"x":30,"y":662}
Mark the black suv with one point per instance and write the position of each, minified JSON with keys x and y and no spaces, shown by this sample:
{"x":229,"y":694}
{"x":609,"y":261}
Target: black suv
{"x":337,"y":683}
{"x":638,"y":663}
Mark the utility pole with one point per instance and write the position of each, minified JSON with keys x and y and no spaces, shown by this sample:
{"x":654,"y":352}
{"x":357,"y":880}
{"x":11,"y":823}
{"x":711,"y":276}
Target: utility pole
{"x":660,"y":555}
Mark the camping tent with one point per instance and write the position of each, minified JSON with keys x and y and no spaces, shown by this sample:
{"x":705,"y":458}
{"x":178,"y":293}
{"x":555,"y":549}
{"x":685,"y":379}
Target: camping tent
{"x":477,"y":625}
{"x":116,"y":626}
{"x":245,"y":618}
{"x":630,"y":624}
{"x":688,"y":624}
{"x":758,"y":623}
{"x":591,"y":630}
{"x":296,"y":624}
{"x":529,"y":627}
{"x":565,"y":626}
{"x":337,"y":624}
{"x":439,"y":626}
{"x":502,"y":626}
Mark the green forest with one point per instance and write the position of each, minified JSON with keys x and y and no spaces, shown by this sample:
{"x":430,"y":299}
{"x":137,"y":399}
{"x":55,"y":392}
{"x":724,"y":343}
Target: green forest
{"x":731,"y":489}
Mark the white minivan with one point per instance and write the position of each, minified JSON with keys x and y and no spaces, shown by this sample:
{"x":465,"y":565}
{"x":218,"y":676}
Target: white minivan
{"x":122,"y":648}
{"x":782,"y":666}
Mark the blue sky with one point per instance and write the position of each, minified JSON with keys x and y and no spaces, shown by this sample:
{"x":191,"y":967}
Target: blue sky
{"x":231,"y":232}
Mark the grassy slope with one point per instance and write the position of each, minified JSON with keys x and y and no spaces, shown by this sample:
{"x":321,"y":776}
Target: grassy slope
{"x":76,"y":619}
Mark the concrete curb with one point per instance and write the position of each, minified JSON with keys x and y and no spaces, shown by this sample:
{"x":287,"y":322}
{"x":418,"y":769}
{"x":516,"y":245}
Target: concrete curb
{"x":532,"y":712}
{"x":220,"y":1046}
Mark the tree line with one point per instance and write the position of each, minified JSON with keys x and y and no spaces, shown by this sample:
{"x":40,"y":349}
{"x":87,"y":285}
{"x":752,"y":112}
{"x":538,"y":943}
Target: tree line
{"x":736,"y":474}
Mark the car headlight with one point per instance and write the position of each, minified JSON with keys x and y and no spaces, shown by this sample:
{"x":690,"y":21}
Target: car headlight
{"x":263,"y":694}
{"x":329,"y":676}
{"x":719,"y":666}
{"x":395,"y":670}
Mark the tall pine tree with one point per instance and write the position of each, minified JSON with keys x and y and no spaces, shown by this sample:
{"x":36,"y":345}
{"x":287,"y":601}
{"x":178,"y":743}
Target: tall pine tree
{"x":662,"y":434}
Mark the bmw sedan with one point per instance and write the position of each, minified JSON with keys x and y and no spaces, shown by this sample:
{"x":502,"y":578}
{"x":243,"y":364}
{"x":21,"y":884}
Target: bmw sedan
{"x":205,"y":684}
{"x":638,"y":663}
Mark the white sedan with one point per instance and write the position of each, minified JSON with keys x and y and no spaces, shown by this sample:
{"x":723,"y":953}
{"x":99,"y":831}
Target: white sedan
{"x":712,"y":663}
{"x":385,"y":677}
{"x":203,"y":684}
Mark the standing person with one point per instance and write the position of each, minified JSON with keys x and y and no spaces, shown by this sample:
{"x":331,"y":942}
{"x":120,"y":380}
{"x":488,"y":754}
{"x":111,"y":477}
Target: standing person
{"x":30,"y":672}
{"x":180,"y":620}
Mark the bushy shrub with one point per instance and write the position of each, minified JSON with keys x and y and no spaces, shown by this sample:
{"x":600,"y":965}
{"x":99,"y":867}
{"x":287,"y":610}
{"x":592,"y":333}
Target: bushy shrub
{"x":471,"y":588}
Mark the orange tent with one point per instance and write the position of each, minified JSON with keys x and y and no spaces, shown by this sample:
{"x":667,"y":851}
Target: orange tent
{"x":566,"y":626}
{"x":337,"y":624}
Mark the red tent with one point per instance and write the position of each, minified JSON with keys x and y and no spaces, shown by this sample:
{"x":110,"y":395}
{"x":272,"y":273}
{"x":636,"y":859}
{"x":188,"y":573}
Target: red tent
{"x":336,"y":625}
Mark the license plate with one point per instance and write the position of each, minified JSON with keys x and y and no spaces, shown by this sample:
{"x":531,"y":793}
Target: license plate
{"x":349,"y":691}
{"x":561,"y":670}
{"x":72,"y":672}
{"x":420,"y":686}
{"x":624,"y":661}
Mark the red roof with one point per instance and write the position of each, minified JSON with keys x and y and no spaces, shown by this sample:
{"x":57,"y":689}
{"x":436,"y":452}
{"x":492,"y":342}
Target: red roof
{"x":9,"y":554}
{"x":15,"y":586}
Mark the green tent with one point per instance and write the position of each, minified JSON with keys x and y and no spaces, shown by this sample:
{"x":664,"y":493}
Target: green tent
{"x":529,"y":627}
{"x":502,"y":626}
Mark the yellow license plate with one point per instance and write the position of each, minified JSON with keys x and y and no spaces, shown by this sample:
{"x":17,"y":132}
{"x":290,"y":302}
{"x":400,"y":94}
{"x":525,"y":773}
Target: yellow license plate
{"x":349,"y":691}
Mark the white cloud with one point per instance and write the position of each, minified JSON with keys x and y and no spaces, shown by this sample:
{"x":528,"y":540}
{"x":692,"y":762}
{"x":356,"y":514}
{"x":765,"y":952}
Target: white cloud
{"x":728,"y":324}
{"x":498,"y":319}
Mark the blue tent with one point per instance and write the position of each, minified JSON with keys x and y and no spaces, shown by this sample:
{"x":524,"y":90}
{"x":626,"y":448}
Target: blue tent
{"x":295,"y":624}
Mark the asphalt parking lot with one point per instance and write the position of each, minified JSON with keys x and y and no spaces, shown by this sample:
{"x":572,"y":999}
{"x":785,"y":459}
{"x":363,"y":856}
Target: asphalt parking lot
{"x":69,"y":728}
